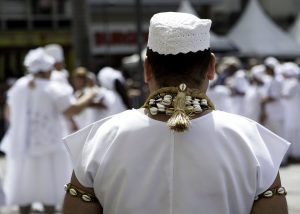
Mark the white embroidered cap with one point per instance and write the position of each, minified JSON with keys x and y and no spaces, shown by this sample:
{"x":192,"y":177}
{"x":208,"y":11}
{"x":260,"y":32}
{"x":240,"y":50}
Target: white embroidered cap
{"x":56,"y":51}
{"x":174,"y":32}
{"x":37,"y":60}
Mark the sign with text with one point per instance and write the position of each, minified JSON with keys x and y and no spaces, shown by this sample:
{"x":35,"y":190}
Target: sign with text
{"x":116,"y":38}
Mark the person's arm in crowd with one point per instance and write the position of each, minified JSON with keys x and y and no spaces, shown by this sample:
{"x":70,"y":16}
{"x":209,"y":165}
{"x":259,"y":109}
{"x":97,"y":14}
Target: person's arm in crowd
{"x":6,"y":112}
{"x":277,"y":204}
{"x":80,"y":104}
{"x":75,"y":205}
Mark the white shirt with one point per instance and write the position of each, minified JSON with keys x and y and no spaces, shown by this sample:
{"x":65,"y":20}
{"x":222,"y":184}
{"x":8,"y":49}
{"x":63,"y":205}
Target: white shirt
{"x":137,"y":165}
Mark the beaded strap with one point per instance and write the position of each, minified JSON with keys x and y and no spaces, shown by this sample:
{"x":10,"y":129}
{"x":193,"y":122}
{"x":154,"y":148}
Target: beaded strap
{"x":271,"y":192}
{"x":76,"y":192}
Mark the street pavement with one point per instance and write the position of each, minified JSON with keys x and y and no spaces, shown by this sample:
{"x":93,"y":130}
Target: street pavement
{"x":290,"y":179}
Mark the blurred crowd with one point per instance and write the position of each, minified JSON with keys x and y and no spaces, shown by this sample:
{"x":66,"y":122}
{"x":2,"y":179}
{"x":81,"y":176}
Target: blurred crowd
{"x":267,"y":91}
{"x":42,"y":107}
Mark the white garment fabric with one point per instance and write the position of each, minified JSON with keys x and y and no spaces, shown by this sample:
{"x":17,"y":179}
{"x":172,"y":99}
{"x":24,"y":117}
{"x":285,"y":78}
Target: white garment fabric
{"x":38,"y":164}
{"x":107,"y":77}
{"x":253,"y":99}
{"x":239,"y":83}
{"x":291,"y":93}
{"x":137,"y":165}
{"x":274,"y":120}
{"x":220,"y":95}
{"x":90,"y":115}
{"x":62,"y":77}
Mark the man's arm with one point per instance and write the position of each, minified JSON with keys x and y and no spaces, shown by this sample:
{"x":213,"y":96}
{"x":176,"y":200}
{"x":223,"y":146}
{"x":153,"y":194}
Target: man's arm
{"x":275,"y":205}
{"x":75,"y":205}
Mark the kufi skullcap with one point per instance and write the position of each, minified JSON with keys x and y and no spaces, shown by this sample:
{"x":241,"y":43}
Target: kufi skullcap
{"x":174,"y":32}
{"x":56,"y":51}
{"x":37,"y":60}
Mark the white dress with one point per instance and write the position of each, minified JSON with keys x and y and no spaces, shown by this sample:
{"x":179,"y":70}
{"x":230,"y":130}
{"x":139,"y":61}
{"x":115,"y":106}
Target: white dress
{"x":274,"y":109}
{"x":220,"y":95}
{"x":38,"y":164}
{"x":137,"y":165}
{"x":291,"y":93}
{"x":62,"y":77}
{"x":253,"y":99}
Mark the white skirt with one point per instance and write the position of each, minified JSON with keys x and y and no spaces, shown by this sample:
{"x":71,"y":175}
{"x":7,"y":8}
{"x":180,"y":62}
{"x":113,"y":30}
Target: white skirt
{"x":37,"y":179}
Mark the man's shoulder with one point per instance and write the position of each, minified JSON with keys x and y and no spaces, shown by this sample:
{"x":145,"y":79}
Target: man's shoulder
{"x":229,"y":119}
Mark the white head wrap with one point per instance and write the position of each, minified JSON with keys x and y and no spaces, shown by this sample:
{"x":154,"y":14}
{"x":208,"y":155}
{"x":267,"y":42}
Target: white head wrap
{"x":107,"y":76}
{"x":174,"y":32}
{"x":56,"y":51}
{"x":258,"y":71}
{"x":37,"y":60}
{"x":271,"y":62}
{"x":290,"y":69}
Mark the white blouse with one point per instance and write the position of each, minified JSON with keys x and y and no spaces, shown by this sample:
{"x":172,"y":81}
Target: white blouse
{"x":137,"y":165}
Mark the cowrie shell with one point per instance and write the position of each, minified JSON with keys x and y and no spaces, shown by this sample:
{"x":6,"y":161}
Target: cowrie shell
{"x":268,"y":194}
{"x":66,"y":187}
{"x":167,"y":97}
{"x":73,"y":192}
{"x":197,"y":109}
{"x":195,"y":102}
{"x":182,"y":87}
{"x":159,"y":105}
{"x":281,"y":191}
{"x":151,"y":101}
{"x":86,"y":198}
{"x":190,"y":108}
{"x":166,"y":102}
{"x":203,"y":102}
{"x":188,"y":98}
{"x":153,"y":110}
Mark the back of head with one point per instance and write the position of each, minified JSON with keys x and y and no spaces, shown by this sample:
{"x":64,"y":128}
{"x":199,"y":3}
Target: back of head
{"x":178,"y":53}
{"x":178,"y":48}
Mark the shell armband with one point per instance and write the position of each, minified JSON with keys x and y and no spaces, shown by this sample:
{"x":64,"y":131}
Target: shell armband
{"x":281,"y":191}
{"x":76,"y":192}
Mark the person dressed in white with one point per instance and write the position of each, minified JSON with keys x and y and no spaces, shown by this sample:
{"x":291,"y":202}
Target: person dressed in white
{"x":106,"y":102}
{"x":239,"y":85}
{"x":272,"y":105}
{"x":113,"y":79}
{"x":256,"y":92}
{"x":59,"y":72}
{"x":61,"y":75}
{"x":37,"y":162}
{"x":220,"y":95}
{"x":176,"y":154}
{"x":291,"y":95}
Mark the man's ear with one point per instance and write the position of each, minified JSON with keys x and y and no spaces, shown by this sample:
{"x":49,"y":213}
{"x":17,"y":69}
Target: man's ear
{"x":211,"y":67}
{"x":148,"y":75}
